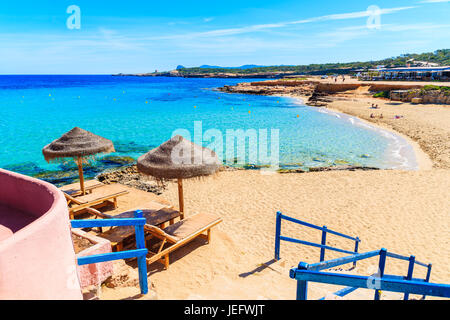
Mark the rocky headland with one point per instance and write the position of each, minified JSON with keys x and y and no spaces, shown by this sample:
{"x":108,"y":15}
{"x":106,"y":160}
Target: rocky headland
{"x":313,"y":92}
{"x":225,"y":75}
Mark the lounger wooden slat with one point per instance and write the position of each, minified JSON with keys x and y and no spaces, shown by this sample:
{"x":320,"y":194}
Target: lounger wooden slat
{"x":180,"y":234}
{"x":120,"y":236}
{"x":101,"y":197}
{"x":74,"y":189}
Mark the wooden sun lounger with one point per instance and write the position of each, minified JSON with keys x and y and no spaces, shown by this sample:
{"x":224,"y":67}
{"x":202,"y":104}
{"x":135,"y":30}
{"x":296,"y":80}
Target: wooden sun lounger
{"x":100,"y":198}
{"x":179,"y":234}
{"x":74,"y":189}
{"x":121,"y":237}
{"x":173,"y":237}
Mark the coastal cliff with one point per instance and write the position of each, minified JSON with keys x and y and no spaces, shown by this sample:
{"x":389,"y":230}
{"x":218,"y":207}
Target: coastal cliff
{"x":319,"y":94}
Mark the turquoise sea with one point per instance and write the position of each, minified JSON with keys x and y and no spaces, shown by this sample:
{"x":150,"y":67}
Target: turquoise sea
{"x":139,"y":113}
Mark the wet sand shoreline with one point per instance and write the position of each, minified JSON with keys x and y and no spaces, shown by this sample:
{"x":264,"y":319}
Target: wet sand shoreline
{"x":423,"y":160}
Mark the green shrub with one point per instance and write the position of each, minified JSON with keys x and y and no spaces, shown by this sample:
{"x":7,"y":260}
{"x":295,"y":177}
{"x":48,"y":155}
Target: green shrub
{"x":433,"y":87}
{"x":382,"y":94}
{"x":427,"y":88}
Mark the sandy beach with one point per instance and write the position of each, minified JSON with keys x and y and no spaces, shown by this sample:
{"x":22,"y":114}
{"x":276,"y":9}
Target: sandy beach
{"x":425,"y":124}
{"x":430,"y":130}
{"x":405,"y":212}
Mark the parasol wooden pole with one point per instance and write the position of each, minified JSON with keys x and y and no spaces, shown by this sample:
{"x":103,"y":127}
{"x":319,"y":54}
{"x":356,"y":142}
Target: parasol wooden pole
{"x":80,"y":173}
{"x":180,"y":197}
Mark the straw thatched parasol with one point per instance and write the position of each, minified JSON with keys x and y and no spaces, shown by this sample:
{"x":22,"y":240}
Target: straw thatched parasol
{"x":179,"y":158}
{"x":77,"y":144}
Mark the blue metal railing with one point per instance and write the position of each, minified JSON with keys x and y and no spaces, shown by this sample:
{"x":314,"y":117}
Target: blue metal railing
{"x":140,"y":253}
{"x":323,"y":246}
{"x":354,"y":257}
{"x":408,"y":285}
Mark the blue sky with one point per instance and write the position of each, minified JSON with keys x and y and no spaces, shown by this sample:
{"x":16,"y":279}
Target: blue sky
{"x":141,"y":36}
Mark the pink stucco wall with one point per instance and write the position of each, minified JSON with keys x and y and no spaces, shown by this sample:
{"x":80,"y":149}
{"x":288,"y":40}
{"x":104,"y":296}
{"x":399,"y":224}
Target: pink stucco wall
{"x":37,"y":259}
{"x":94,"y":274}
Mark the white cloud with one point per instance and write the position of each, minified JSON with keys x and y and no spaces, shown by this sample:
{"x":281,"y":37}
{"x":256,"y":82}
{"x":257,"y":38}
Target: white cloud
{"x":260,"y":27}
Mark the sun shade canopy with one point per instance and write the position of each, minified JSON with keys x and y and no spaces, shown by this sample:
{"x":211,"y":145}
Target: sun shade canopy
{"x":179,"y":158}
{"x":77,"y":143}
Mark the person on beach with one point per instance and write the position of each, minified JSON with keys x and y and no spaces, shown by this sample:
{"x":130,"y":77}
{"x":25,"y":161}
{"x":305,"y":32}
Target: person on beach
{"x":372,"y":116}
{"x":381,"y":116}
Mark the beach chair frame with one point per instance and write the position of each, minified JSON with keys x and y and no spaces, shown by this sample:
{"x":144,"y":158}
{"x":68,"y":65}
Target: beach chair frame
{"x":77,"y":207}
{"x":120,"y":240}
{"x":168,"y":242}
{"x":162,"y":254}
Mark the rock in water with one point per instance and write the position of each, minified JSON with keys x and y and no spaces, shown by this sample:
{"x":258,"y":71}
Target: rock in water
{"x":337,"y":168}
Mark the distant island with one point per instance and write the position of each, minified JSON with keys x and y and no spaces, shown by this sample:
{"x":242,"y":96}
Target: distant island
{"x":244,"y":67}
{"x":436,"y":58}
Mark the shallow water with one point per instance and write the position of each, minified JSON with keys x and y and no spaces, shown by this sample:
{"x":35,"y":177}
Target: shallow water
{"x":139,"y":113}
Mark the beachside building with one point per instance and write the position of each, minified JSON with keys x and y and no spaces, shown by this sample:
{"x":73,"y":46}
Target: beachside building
{"x":412,"y":73}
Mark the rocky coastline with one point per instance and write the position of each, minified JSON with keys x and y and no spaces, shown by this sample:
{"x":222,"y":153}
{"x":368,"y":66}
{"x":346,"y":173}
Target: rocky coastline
{"x":307,"y":90}
{"x":259,"y":75}
{"x":313,"y":92}
{"x":319,"y":94}
{"x":129,"y":175}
